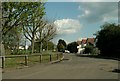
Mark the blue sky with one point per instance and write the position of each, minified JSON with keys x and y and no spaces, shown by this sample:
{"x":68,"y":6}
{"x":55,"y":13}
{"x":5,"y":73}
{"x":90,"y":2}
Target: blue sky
{"x":75,"y":20}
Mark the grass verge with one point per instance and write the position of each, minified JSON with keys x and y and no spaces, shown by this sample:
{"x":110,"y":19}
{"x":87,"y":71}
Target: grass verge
{"x":20,"y":61}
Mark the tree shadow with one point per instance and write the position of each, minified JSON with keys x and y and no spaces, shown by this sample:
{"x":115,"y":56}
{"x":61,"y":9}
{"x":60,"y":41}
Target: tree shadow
{"x":116,"y":71}
{"x":99,"y":56}
{"x":103,"y":57}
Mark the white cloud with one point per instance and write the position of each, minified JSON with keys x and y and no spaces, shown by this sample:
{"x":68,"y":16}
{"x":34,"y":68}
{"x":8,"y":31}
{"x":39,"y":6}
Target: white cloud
{"x":98,"y":11}
{"x":67,"y":26}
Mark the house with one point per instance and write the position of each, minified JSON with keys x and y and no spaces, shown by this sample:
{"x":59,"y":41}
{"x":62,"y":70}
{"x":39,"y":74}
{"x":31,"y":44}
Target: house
{"x":22,"y":47}
{"x":90,"y":41}
{"x":80,"y":49}
{"x":84,"y":42}
{"x":79,"y":42}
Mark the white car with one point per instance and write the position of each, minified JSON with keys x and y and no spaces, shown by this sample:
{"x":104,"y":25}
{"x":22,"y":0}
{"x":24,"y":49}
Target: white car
{"x":66,"y":51}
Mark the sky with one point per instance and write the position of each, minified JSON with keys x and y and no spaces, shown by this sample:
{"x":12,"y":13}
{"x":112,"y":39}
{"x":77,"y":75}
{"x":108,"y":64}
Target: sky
{"x":75,"y":20}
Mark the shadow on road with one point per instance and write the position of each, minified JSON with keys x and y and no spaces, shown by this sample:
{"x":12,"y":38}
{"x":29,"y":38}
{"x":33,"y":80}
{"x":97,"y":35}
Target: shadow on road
{"x":116,"y":70}
{"x":99,"y":57}
{"x":102,"y":57}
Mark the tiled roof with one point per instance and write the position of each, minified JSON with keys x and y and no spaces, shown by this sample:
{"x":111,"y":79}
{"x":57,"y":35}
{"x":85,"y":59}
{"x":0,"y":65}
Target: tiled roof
{"x":79,"y":42}
{"x":84,"y":41}
{"x":91,"y":40}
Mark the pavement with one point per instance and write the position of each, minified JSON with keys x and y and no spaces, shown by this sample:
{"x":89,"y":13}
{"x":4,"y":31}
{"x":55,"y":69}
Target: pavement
{"x":72,"y":67}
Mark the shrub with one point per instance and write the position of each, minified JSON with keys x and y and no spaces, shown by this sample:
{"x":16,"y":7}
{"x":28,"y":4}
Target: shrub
{"x":72,"y":47}
{"x":108,"y":39}
{"x":89,"y":49}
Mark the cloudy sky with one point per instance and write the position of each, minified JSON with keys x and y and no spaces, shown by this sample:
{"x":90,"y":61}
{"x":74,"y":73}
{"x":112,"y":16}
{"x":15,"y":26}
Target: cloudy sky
{"x":75,"y":20}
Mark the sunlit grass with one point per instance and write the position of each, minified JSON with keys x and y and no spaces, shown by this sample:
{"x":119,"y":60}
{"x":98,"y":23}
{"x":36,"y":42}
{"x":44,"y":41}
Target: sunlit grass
{"x":20,"y":61}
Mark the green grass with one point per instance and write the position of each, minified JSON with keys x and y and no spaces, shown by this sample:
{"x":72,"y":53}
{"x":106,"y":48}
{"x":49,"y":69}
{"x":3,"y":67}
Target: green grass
{"x":14,"y":62}
{"x":20,"y":61}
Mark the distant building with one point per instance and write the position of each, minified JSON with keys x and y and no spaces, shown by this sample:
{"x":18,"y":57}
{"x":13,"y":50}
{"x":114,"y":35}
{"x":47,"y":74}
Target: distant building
{"x":21,"y":48}
{"x":91,"y":41}
{"x":78,"y":42}
{"x":84,"y":42}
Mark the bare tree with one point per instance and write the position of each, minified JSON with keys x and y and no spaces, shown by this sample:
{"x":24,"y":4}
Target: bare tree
{"x":46,"y":33}
{"x":30,"y":33}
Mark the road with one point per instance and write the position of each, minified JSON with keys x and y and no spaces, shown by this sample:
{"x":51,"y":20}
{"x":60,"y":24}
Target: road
{"x":74,"y":68}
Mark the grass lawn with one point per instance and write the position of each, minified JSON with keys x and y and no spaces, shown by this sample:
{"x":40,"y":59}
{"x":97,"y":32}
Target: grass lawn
{"x":20,"y":61}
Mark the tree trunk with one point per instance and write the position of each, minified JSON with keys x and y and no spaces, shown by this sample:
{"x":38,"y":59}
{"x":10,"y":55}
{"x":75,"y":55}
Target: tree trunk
{"x":41,"y":46}
{"x":32,"y":45}
{"x":18,"y":47}
{"x":2,"y":49}
{"x":47,"y":45}
{"x":40,"y":49}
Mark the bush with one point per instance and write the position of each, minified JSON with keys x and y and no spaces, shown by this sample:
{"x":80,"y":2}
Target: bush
{"x":89,"y":49}
{"x":108,"y":39}
{"x":95,"y":51}
{"x":72,"y":47}
{"x":61,"y":46}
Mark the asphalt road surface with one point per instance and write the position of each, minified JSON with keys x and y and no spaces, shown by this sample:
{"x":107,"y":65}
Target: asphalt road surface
{"x":74,"y":68}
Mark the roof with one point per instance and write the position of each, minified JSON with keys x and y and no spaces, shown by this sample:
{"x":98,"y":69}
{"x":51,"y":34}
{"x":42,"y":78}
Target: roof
{"x":84,"y":41}
{"x":91,"y":40}
{"x":79,"y":42}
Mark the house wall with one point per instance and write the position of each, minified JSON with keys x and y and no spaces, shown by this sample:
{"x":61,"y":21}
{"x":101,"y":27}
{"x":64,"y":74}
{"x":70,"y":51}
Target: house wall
{"x":80,"y":49}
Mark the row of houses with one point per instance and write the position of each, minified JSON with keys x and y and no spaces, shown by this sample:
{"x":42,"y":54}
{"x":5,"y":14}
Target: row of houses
{"x":86,"y":41}
{"x":83,"y":42}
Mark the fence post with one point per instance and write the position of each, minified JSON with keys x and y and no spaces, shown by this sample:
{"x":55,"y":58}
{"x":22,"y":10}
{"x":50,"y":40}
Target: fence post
{"x":3,"y":62}
{"x":26,"y":60}
{"x":50,"y":58}
{"x":40,"y":58}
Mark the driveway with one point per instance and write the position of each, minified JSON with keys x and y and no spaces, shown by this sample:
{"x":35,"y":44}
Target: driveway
{"x":74,"y":68}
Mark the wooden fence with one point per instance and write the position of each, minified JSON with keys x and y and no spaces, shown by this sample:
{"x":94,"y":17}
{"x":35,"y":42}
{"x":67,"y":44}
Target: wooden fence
{"x":26,"y":58}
